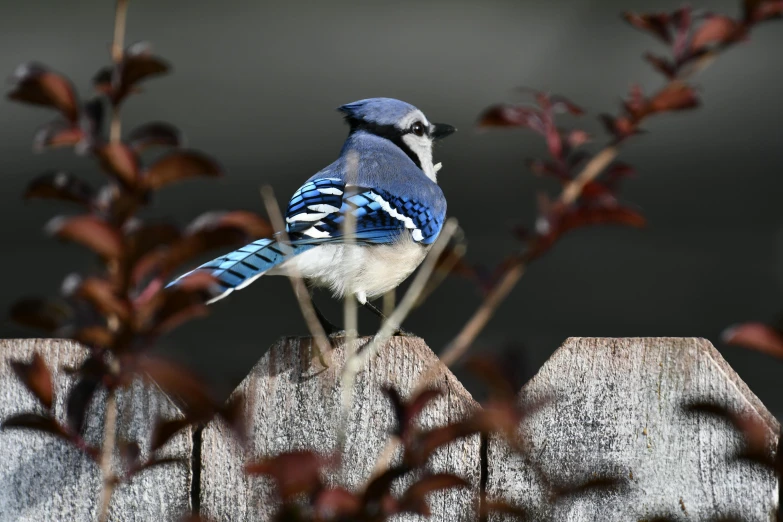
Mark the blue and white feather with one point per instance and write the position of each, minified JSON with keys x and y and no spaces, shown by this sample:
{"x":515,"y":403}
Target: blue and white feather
{"x":389,"y":186}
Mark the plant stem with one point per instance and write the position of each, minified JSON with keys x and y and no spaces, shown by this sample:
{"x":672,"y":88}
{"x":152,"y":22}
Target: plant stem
{"x":120,"y":16}
{"x":300,"y":290}
{"x":107,"y":454}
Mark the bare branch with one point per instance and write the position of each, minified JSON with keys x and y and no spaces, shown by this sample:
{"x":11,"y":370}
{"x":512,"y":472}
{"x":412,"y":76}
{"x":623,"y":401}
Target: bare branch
{"x":300,"y":290}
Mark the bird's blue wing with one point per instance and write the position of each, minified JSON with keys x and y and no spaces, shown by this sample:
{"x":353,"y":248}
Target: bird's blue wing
{"x":317,"y":211}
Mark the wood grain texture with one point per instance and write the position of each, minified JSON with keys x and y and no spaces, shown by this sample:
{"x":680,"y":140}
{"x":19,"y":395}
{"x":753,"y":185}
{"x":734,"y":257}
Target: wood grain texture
{"x":295,"y":404}
{"x":45,"y":479}
{"x":617,"y":412}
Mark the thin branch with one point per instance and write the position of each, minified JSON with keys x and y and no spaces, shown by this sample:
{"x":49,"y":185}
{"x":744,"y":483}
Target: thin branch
{"x":117,"y":51}
{"x":350,"y":311}
{"x":389,"y":302}
{"x":300,"y":290}
{"x":107,"y":453}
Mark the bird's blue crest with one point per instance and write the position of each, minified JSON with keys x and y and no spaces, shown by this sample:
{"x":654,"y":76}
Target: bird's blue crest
{"x":383,"y":111}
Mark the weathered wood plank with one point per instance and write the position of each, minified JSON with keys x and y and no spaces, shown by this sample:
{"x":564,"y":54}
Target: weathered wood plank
{"x":617,"y":411}
{"x":42,"y":478}
{"x":297,"y":406}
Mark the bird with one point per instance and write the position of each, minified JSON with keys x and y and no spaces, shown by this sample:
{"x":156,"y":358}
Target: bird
{"x":386,"y":179}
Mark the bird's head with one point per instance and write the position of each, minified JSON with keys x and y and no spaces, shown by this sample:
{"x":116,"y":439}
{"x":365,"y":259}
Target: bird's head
{"x":402,"y":124}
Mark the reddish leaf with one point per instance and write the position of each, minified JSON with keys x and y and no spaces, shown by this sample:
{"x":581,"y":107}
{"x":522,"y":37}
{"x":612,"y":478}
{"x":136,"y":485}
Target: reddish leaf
{"x":612,"y":215}
{"x":94,"y":336}
{"x":33,"y":421}
{"x":57,"y":133}
{"x":43,"y":314}
{"x":378,"y":491}
{"x":336,"y":504}
{"x":761,"y":10}
{"x":143,"y":239}
{"x":294,"y":473}
{"x":657,"y":24}
{"x":102,"y":295}
{"x":406,"y":413}
{"x":756,"y":336}
{"x":179,"y":166}
{"x":662,"y":65}
{"x":36,"y":377}
{"x":60,"y":185}
{"x":512,"y":116}
{"x":138,"y":64}
{"x":120,"y":161}
{"x":577,"y":138}
{"x":414,"y":501}
{"x":36,"y":84}
{"x":621,"y":127}
{"x":562,"y":104}
{"x":155,"y":133}
{"x":89,"y":231}
{"x":717,"y":29}
{"x":674,"y":97}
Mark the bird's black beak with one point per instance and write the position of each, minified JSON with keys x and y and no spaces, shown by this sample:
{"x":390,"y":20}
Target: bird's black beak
{"x":441,"y":130}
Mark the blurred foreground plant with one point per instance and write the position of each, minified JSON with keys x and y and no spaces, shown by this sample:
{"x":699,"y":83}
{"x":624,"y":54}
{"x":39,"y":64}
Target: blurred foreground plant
{"x":119,"y":312}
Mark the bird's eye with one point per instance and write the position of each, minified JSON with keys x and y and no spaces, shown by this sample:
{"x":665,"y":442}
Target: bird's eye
{"x":418,"y":129}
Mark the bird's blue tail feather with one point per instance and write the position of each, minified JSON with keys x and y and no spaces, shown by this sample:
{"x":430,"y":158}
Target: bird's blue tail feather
{"x":236,"y":270}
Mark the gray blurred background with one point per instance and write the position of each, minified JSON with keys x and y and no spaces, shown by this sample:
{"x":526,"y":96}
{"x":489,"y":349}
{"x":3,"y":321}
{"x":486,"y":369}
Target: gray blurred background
{"x":255,"y":84}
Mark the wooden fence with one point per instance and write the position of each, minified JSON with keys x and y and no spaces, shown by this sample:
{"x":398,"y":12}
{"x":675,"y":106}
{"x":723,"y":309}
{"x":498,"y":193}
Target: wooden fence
{"x":617,"y":411}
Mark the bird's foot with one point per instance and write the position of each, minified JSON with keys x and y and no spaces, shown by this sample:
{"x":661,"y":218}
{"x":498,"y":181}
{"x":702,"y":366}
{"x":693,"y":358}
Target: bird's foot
{"x":403,"y":333}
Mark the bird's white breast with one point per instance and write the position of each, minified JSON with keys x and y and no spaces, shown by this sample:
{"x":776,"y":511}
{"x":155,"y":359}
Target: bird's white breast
{"x":369,"y":270}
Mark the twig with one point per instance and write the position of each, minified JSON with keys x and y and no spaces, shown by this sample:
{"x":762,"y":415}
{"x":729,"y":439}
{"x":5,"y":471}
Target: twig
{"x":350,"y":311}
{"x":117,"y":52}
{"x":109,"y":480}
{"x":107,"y":454}
{"x":300,"y":290}
{"x":389,"y":302}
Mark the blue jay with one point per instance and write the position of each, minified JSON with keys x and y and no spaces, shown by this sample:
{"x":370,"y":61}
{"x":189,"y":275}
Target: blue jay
{"x":386,"y":178}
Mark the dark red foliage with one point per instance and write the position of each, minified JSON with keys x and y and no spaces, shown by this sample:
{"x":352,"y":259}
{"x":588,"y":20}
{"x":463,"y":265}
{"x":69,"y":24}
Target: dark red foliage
{"x":137,"y":65}
{"x":294,"y":473}
{"x":119,"y":160}
{"x":91,"y":232}
{"x":656,"y":24}
{"x":36,"y":377}
{"x":118,"y":312}
{"x":36,"y":84}
{"x":756,"y":336}
{"x":756,"y":11}
{"x":60,"y":185}
{"x":179,"y":166}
